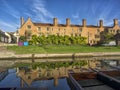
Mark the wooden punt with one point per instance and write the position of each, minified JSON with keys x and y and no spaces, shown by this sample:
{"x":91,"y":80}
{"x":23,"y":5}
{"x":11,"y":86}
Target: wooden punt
{"x":93,"y":81}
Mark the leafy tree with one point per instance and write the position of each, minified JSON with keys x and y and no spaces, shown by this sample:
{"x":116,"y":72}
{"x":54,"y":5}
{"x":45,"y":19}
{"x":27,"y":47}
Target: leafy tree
{"x":117,"y":37}
{"x":55,"y":40}
{"x":108,"y":37}
{"x":22,"y":38}
{"x":35,"y":39}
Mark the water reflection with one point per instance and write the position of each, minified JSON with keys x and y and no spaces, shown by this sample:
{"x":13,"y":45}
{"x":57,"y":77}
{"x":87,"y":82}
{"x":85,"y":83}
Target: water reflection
{"x":28,"y":75}
{"x":51,"y":78}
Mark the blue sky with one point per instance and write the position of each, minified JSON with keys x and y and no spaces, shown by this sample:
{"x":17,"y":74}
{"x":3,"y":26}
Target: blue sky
{"x":46,"y":10}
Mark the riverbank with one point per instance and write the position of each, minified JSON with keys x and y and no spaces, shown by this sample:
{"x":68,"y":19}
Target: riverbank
{"x":8,"y":60}
{"x":11,"y":55}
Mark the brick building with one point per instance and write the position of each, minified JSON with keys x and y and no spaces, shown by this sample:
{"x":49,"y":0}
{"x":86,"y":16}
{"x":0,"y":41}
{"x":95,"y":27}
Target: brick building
{"x":93,"y":33}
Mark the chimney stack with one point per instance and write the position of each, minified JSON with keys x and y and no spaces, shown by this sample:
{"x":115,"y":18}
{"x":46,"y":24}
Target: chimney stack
{"x":55,"y":21}
{"x":101,"y":23}
{"x":115,"y":22}
{"x":67,"y":22}
{"x":84,"y":22}
{"x":22,"y":21}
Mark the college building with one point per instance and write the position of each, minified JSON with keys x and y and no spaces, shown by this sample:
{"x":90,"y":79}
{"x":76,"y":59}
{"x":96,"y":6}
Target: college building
{"x":91,"y":32}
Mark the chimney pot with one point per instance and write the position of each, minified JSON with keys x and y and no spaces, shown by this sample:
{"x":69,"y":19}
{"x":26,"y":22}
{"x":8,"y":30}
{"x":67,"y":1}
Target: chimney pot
{"x":55,"y":21}
{"x":67,"y":22}
{"x":84,"y":22}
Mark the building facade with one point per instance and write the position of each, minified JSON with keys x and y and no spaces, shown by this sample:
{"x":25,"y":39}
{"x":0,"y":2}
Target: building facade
{"x":3,"y":37}
{"x":91,"y":32}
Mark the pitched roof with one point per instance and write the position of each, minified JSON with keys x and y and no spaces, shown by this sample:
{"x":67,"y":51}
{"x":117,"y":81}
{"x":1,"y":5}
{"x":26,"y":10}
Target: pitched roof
{"x":2,"y":33}
{"x":72,"y":25}
{"x":49,"y":24}
{"x":43,"y":24}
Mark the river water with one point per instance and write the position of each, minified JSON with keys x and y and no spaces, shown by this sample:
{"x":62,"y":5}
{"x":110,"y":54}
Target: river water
{"x":48,"y":78}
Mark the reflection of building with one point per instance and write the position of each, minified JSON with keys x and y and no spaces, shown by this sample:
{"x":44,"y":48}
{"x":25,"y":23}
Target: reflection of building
{"x":93,"y":33}
{"x":29,"y":76}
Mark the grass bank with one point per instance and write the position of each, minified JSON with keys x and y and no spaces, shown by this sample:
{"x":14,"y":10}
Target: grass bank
{"x":61,"y":49}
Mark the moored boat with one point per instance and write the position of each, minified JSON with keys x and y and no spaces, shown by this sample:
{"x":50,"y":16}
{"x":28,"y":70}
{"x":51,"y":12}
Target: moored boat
{"x":94,"y":80}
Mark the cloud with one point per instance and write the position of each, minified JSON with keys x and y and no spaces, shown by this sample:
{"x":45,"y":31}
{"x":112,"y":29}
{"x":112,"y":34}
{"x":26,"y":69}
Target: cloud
{"x":4,"y":25}
{"x":11,"y":10}
{"x":38,"y":7}
{"x":76,"y":16}
{"x":9,"y":21}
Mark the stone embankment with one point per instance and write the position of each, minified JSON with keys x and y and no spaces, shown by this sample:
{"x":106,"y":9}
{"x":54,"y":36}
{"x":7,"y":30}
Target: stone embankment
{"x":8,"y":58}
{"x":11,"y":55}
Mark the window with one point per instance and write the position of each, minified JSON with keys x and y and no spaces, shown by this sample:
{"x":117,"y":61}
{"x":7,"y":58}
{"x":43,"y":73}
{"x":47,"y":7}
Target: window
{"x":72,"y":30}
{"x":29,"y":26}
{"x":111,"y":31}
{"x":90,"y":41}
{"x":98,"y":31}
{"x":72,"y":34}
{"x":94,"y":42}
{"x":48,"y":28}
{"x":64,"y":30}
{"x":80,"y":30}
{"x":59,"y":29}
{"x":114,"y":31}
{"x":39,"y":28}
{"x":97,"y":36}
{"x":76,"y":35}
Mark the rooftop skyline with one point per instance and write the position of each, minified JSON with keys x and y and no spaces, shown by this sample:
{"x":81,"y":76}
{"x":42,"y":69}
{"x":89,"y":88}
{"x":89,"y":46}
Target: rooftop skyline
{"x":44,"y":11}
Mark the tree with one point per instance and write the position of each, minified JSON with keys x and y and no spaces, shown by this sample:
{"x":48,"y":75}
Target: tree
{"x":34,"y":40}
{"x":22,"y":39}
{"x":55,"y":40}
{"x":117,"y":37}
{"x":108,"y":37}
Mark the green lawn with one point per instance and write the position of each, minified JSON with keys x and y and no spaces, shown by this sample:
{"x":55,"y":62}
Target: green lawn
{"x":61,"y":49}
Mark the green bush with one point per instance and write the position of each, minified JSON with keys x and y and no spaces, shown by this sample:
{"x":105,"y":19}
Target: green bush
{"x":58,"y":40}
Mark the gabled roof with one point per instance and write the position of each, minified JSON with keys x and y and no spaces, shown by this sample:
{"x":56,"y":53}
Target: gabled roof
{"x":2,"y":34}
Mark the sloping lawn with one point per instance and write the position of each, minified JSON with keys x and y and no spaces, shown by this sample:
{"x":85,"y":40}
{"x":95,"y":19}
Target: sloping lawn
{"x":26,"y":49}
{"x":61,"y":49}
{"x":78,"y":49}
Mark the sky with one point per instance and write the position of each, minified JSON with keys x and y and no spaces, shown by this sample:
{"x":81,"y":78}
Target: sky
{"x":44,"y":11}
